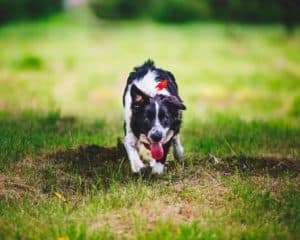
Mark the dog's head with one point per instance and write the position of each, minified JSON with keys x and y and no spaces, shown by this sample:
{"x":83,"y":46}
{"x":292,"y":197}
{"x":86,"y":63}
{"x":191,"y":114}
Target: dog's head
{"x":155,"y":117}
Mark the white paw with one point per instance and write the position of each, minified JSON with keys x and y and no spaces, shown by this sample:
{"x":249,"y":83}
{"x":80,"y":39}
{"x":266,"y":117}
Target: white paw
{"x":178,"y":152}
{"x":157,"y":167}
{"x":136,"y":165}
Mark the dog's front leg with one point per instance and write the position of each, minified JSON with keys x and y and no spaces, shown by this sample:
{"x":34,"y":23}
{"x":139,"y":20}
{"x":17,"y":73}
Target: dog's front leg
{"x":130,"y":143}
{"x":178,"y":150}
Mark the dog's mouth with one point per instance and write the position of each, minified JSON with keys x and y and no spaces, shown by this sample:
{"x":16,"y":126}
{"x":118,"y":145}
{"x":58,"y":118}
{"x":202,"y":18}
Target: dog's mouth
{"x":157,"y":150}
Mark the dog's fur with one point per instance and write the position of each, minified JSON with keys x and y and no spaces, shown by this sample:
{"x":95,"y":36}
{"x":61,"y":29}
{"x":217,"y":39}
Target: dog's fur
{"x":151,"y":115}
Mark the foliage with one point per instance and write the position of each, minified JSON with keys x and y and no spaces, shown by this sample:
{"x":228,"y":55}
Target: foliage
{"x":295,"y":110}
{"x":180,"y":10}
{"x":255,"y":11}
{"x":11,"y":10}
{"x":119,"y":9}
{"x":247,"y":11}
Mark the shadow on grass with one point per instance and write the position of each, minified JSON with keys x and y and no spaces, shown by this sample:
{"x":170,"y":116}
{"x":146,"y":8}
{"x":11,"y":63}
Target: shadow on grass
{"x":78,"y":167}
{"x":86,"y":168}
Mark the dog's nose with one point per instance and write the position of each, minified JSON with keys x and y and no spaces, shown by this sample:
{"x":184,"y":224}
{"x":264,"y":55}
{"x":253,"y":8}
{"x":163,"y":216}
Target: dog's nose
{"x":156,"y":136}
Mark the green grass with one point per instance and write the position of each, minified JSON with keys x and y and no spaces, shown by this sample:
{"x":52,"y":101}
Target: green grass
{"x":30,"y":133}
{"x":61,"y":82}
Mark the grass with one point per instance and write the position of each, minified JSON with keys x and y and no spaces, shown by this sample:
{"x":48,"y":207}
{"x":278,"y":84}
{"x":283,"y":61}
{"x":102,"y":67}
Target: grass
{"x":61,"y":81}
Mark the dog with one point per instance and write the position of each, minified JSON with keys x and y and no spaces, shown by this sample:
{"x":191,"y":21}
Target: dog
{"x":152,"y":116}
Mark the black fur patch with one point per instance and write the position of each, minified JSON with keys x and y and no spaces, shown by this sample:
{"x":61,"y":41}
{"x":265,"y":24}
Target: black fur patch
{"x":143,"y":113}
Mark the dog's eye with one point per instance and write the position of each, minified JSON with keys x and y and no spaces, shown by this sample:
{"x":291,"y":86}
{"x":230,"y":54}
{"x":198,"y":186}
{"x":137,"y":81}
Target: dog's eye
{"x":149,"y":116}
{"x":162,"y":116}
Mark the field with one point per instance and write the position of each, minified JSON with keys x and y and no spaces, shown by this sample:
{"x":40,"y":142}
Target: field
{"x":63,"y":174}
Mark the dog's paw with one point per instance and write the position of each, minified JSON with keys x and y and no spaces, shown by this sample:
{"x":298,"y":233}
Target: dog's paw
{"x":157,"y":167}
{"x":178,"y":152}
{"x":136,"y":165}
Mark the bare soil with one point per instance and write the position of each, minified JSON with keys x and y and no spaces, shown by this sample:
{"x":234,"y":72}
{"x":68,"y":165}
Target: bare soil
{"x":87,"y":167}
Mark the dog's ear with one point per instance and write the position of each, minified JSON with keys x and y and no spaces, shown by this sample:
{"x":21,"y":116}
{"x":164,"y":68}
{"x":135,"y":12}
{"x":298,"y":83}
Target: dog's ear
{"x":138,"y":97}
{"x":175,"y":102}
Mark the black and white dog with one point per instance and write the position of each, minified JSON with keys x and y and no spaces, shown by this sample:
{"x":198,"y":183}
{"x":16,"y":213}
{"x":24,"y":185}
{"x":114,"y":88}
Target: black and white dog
{"x":152,"y":116}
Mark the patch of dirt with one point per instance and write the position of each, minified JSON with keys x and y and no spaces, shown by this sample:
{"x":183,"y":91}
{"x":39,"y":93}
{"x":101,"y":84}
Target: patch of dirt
{"x":75,"y":169}
{"x":274,"y":185}
{"x":90,"y":159}
{"x":87,"y":167}
{"x":272,"y":165}
{"x":148,"y":214}
{"x":275,"y":166}
{"x":14,"y":187}
{"x":175,"y":208}
{"x":207,"y":185}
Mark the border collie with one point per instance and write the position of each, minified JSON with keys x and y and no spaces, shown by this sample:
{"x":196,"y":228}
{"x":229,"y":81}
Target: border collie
{"x":152,"y":117}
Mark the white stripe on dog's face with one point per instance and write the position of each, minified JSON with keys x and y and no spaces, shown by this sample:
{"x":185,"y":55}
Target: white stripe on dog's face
{"x":158,"y":126}
{"x":156,"y":114}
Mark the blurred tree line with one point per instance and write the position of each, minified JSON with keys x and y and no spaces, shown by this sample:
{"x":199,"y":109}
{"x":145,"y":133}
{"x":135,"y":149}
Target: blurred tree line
{"x":13,"y":10}
{"x":177,"y":11}
{"x":174,"y":11}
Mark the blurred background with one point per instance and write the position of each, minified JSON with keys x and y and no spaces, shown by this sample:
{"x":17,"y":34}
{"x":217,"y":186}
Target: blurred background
{"x":171,"y":11}
{"x":73,"y":56}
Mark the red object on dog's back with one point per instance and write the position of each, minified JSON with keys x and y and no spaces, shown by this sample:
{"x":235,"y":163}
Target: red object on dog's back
{"x":161,"y":85}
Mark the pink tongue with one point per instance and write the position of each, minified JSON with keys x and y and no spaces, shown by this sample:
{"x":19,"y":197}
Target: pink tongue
{"x":157,"y":151}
